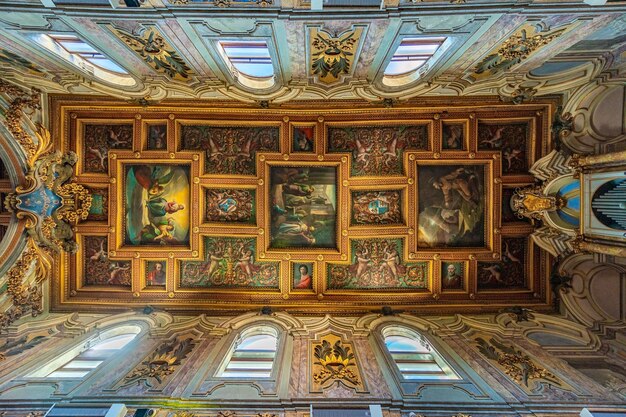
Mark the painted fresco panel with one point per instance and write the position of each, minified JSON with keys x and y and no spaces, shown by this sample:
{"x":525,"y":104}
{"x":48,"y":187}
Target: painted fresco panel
{"x":376,"y":207}
{"x":229,"y":262}
{"x":509,"y":273}
{"x":230,"y":205}
{"x":451,"y":206}
{"x":510,"y":138}
{"x":375,"y":264}
{"x":303,"y":139}
{"x":98,"y":269}
{"x":99,"y":210}
{"x":508,"y":215}
{"x":99,"y":139}
{"x":156,"y":202}
{"x":377,"y":150}
{"x":453,"y":136}
{"x":303,"y":212}
{"x":230,"y":150}
{"x":157,"y":137}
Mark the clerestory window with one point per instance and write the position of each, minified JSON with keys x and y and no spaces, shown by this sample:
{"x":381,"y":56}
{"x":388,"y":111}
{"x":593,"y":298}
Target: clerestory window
{"x":410,"y":57}
{"x":253,"y":355}
{"x":249,"y":61}
{"x":82,"y":360}
{"x":415,"y":358}
{"x":81,"y":54}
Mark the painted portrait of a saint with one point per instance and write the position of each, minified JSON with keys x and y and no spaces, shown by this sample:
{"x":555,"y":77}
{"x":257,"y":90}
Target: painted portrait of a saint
{"x":451,"y":206}
{"x":155,"y":275}
{"x":452,"y":275}
{"x":303,"y":276}
{"x":303,"y":139}
{"x":303,"y":210}
{"x":157,"y":205}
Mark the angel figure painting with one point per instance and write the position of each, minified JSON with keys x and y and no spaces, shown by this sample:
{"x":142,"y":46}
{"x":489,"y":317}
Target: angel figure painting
{"x":451,"y":206}
{"x":303,"y":210}
{"x":157,"y":205}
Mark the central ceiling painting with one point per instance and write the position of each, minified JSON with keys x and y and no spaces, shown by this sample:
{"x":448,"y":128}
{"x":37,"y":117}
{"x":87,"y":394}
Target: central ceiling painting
{"x":205,"y":208}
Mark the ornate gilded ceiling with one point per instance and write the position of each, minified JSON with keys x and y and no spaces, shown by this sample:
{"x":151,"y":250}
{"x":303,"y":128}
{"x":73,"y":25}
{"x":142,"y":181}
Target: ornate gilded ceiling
{"x":312,"y":208}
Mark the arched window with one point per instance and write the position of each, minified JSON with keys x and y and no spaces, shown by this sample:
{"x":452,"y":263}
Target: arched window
{"x":249,"y":61}
{"x":81,"y":360}
{"x":411,"y":57}
{"x":253,"y":355}
{"x":415,"y":358}
{"x":79,"y":53}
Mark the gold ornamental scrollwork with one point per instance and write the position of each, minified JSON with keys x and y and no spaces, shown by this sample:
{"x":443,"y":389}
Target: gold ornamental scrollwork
{"x":50,"y":202}
{"x":530,"y":202}
{"x":23,"y":103}
{"x":26,"y":299}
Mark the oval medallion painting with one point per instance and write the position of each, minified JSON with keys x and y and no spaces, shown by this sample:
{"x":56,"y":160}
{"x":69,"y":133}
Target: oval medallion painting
{"x":157,"y":204}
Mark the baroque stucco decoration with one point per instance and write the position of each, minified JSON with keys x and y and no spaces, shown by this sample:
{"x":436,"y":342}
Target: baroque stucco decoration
{"x":333,"y":57}
{"x":519,"y":46}
{"x":152,"y":47}
{"x":333,"y":361}
{"x":518,"y":366}
{"x":161,"y":363}
{"x":48,"y":202}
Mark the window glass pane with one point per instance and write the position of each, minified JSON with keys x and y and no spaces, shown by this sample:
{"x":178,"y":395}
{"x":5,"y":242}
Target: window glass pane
{"x":76,"y":51}
{"x":255,"y":70}
{"x":416,"y":49}
{"x":76,"y":363}
{"x":105,"y":63}
{"x":250,"y":58}
{"x":404,"y":344}
{"x":419,"y":367}
{"x":249,"y":365}
{"x":73,"y":46}
{"x":258,"y":342}
{"x":402,"y":67}
{"x":116,"y":342}
{"x":68,"y":374}
{"x":253,"y":52}
{"x":228,"y":374}
{"x":411,"y":54}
